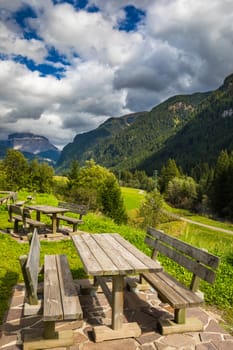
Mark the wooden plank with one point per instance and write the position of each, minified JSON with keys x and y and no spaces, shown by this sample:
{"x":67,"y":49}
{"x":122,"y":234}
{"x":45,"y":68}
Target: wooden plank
{"x":75,"y":208}
{"x":172,"y":291}
{"x":52,"y":298}
{"x":91,"y":266}
{"x":149,"y":264}
{"x":164,"y":291}
{"x":185,"y":261}
{"x":69,"y":219}
{"x":197,"y":253}
{"x":190,"y":297}
{"x":71,"y":306}
{"x":32,"y":268}
{"x":115,"y":252}
{"x":107,"y":266}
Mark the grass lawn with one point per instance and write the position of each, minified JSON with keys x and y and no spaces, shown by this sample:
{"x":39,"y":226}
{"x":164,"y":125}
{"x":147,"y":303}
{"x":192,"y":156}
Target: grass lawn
{"x":133,"y":198}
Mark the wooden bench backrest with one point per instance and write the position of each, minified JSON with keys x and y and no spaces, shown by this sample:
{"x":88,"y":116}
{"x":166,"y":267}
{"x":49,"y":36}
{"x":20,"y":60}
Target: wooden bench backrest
{"x":14,"y":209}
{"x":32,"y":268}
{"x":198,"y":261}
{"x":74,"y":208}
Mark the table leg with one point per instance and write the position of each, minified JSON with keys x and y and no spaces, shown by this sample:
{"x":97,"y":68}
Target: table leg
{"x":54,"y":223}
{"x":38,"y":215}
{"x":119,"y":330}
{"x":117,"y":301}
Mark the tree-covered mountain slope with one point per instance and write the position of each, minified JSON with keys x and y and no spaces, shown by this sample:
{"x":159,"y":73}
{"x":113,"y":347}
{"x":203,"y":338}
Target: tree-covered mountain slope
{"x":84,"y":145}
{"x":203,"y":137}
{"x":125,"y":142}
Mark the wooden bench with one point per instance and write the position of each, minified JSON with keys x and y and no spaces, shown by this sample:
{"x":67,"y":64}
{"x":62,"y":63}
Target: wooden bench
{"x":8,"y":197}
{"x":19,"y":214}
{"x":202,"y":264}
{"x":72,"y":208}
{"x":60,"y":299}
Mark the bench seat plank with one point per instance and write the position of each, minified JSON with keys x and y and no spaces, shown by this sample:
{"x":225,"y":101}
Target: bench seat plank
{"x":71,"y":306}
{"x":69,"y":219}
{"x":34,"y":223}
{"x":60,"y":296}
{"x":171,"y":290}
{"x":52,"y":298}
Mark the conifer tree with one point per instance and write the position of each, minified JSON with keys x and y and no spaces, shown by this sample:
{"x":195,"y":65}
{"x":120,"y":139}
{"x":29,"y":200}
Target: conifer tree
{"x":168,"y":172}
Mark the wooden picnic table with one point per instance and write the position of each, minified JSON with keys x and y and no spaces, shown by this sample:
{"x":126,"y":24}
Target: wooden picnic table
{"x":108,"y":254}
{"x":48,"y":210}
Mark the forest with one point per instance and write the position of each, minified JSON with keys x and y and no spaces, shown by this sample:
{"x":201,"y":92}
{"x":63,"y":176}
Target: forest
{"x":208,"y":190}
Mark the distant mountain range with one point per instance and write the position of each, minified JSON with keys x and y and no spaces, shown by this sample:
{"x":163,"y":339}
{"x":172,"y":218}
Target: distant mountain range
{"x":32,"y":146}
{"x":192,"y":129}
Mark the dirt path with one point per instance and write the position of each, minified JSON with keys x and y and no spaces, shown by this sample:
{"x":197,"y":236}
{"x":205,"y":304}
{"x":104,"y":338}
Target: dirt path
{"x":219,"y":229}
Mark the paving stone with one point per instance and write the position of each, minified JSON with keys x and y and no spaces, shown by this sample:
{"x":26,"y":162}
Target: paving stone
{"x":32,"y":321}
{"x":145,"y":321}
{"x":205,"y":346}
{"x":178,"y":340}
{"x":120,"y":344}
{"x":228,"y":337}
{"x":148,"y":338}
{"x":80,"y":337}
{"x":213,"y":326}
{"x":14,"y":314}
{"x":8,"y":339}
{"x":13,"y":347}
{"x":224,"y":345}
{"x":148,"y":347}
{"x":132,"y":300}
{"x":165,"y":347}
{"x":199,"y":313}
{"x":210,"y":337}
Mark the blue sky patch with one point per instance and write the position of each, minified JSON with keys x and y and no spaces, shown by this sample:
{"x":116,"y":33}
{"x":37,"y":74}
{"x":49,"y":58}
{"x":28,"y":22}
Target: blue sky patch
{"x":23,"y":14}
{"x":21,"y":17}
{"x":133,"y":16}
{"x":93,"y":9}
{"x":77,"y":4}
{"x":43,"y":69}
{"x":55,"y":57}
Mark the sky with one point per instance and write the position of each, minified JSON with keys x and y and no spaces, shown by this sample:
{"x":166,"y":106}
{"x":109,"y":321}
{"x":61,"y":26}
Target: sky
{"x":67,"y":66}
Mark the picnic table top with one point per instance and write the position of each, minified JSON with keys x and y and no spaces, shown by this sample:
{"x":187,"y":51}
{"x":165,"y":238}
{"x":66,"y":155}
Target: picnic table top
{"x":46,"y":209}
{"x":110,"y":254}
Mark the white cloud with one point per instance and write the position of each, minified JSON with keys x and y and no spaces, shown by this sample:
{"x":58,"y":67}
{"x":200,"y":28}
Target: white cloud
{"x":90,"y":35}
{"x":181,"y":46}
{"x":12,"y":44}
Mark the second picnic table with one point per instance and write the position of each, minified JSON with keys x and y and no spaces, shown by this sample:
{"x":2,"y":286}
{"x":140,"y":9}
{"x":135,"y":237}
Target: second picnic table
{"x":109,"y":254}
{"x":48,"y":210}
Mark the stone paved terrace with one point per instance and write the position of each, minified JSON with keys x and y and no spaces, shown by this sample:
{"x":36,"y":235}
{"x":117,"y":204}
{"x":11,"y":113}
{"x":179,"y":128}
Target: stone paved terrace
{"x":143,"y":307}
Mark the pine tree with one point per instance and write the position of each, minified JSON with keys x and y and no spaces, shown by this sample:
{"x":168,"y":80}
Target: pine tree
{"x":168,"y":172}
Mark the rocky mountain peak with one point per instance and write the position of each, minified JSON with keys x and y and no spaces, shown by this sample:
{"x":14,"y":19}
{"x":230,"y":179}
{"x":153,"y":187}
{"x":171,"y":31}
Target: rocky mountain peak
{"x":28,"y":142}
